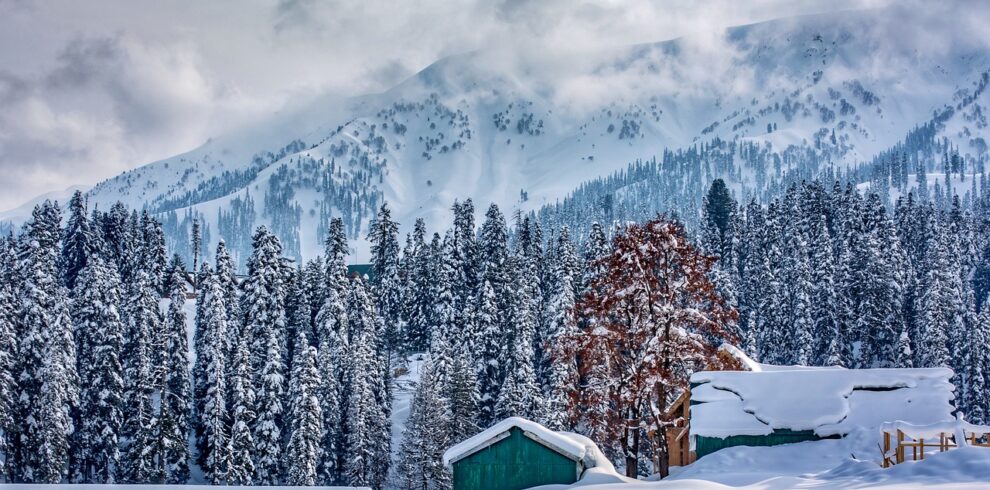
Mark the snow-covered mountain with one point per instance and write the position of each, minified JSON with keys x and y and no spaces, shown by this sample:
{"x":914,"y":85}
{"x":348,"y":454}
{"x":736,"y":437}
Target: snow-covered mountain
{"x":524,"y":129}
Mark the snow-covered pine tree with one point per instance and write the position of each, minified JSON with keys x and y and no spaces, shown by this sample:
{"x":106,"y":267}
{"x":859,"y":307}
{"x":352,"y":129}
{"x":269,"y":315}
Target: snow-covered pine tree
{"x":520,"y":393}
{"x":47,"y":378}
{"x":225,"y":275}
{"x":360,"y":408}
{"x":267,"y":430}
{"x":314,"y":281}
{"x":493,"y":255}
{"x":196,"y":243}
{"x":142,"y":460}
{"x":297,"y":313}
{"x":331,"y":321}
{"x":8,"y":357}
{"x":879,"y":320}
{"x":462,"y":398}
{"x":425,"y":438}
{"x":978,"y":370}
{"x":176,"y":392}
{"x":826,"y":330}
{"x":263,"y":306}
{"x":212,"y":434}
{"x":76,"y":241}
{"x":902,"y":351}
{"x":304,"y":450}
{"x":99,"y":337}
{"x":466,"y":284}
{"x":263,"y":298}
{"x":385,"y":281}
{"x":153,"y":255}
{"x":115,"y":229}
{"x":444,"y":332}
{"x":238,"y":455}
{"x":488,"y":358}
{"x":329,"y":395}
{"x":417,"y":298}
{"x":940,"y":306}
{"x":335,"y":353}
{"x":797,"y":321}
{"x":561,"y":407}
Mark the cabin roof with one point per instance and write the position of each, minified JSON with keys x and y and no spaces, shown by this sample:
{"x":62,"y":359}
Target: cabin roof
{"x":570,"y":445}
{"x":827,"y":400}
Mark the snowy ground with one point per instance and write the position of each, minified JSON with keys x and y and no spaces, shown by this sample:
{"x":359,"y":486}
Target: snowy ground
{"x":24,"y":486}
{"x":827,"y":464}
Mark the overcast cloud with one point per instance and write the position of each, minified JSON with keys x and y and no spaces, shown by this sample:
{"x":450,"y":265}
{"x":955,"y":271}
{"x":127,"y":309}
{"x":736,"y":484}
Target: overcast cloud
{"x":90,"y":89}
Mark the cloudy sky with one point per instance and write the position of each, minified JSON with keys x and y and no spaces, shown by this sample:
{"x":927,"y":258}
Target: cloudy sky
{"x":90,"y":89}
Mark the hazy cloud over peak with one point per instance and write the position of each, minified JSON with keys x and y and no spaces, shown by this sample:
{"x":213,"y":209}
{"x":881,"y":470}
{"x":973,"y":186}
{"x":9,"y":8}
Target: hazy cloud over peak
{"x":89,"y":89}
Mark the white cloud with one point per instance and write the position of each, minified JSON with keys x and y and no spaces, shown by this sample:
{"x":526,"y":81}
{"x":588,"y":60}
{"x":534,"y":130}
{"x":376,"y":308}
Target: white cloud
{"x":88,"y":89}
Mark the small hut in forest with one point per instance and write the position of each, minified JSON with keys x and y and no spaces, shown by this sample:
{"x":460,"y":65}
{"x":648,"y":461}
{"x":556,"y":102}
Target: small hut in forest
{"x":517,"y":453}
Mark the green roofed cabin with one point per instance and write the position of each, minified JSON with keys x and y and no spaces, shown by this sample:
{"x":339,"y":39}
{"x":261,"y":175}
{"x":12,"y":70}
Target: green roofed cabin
{"x":517,"y":453}
{"x":769,"y":405}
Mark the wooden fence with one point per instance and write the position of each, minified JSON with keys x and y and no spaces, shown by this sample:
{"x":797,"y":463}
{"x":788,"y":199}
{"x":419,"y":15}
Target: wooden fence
{"x":903,"y":440}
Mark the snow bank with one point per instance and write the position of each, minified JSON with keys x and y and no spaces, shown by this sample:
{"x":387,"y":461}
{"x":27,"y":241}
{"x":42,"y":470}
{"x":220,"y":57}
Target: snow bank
{"x":32,"y":486}
{"x":830,"y":401}
{"x":927,"y":431}
{"x":958,"y":468}
{"x":825,"y":464}
{"x":576,"y":446}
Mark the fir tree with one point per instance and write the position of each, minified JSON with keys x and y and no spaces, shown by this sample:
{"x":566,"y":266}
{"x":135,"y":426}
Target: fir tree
{"x":238,"y":463}
{"x":99,"y":335}
{"x":176,"y":393}
{"x":386,"y":283}
{"x":47,"y":378}
{"x":462,"y":399}
{"x":141,"y":422}
{"x":563,"y":370}
{"x":267,"y":429}
{"x":329,"y":393}
{"x":489,"y":355}
{"x":212,"y":435}
{"x":77,"y":241}
{"x":304,"y":451}
{"x":8,"y":358}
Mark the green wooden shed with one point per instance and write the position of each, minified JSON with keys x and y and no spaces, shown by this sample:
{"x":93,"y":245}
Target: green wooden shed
{"x":515,"y":454}
{"x":773,"y":405}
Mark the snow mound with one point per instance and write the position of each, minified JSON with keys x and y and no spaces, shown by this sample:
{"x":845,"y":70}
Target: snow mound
{"x":830,"y":401}
{"x":575,"y":446}
{"x":967,"y":464}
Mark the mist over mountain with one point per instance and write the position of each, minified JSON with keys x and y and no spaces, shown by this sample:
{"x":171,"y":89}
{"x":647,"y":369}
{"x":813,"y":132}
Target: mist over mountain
{"x":792,"y":97}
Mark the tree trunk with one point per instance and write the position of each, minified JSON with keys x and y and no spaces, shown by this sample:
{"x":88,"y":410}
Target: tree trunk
{"x":631,"y":442}
{"x":663,"y":454}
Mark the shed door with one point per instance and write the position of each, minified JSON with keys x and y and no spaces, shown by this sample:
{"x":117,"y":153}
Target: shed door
{"x":514,"y":463}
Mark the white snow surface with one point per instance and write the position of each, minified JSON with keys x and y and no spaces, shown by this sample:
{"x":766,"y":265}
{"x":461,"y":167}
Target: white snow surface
{"x":830,"y":401}
{"x":31,"y":486}
{"x":933,"y":430}
{"x":827,"y":464}
{"x":574,"y":445}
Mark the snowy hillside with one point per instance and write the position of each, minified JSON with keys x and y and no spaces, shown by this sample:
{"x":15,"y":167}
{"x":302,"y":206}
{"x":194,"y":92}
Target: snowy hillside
{"x":525,"y":132}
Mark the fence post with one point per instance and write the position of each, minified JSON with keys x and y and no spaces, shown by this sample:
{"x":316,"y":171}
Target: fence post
{"x":886,"y":449}
{"x":900,"y":447}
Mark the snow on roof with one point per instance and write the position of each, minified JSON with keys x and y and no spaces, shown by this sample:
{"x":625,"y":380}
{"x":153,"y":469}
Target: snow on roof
{"x":930,"y":431}
{"x":830,"y":401}
{"x":574,"y":446}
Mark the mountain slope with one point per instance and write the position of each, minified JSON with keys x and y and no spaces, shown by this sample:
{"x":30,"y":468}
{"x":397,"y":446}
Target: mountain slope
{"x":524,"y":129}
